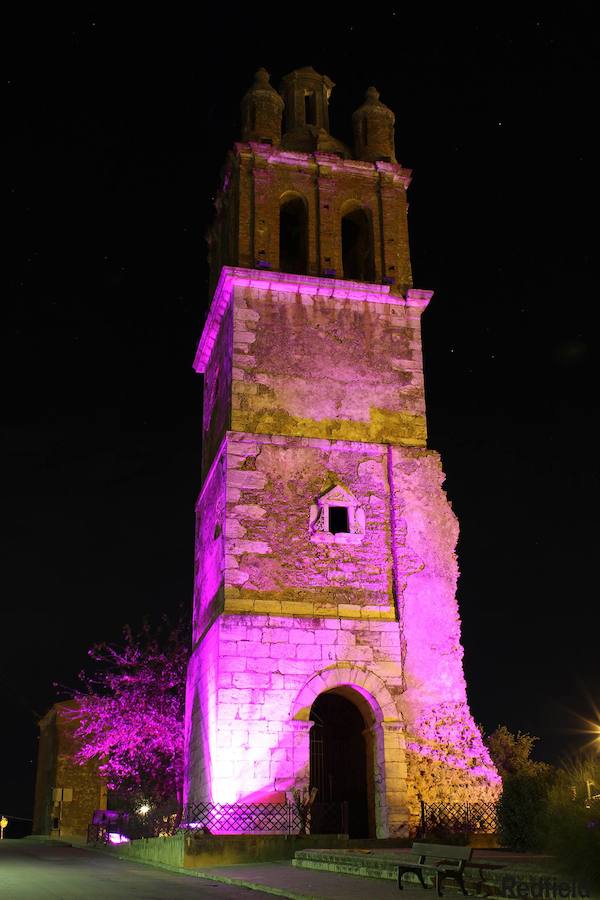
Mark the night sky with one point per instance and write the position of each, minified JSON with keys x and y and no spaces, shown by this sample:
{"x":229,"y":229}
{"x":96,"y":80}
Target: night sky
{"x":119,"y":128}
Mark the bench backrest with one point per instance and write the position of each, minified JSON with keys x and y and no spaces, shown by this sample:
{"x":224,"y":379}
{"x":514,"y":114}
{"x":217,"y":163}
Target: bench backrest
{"x":443,"y":851}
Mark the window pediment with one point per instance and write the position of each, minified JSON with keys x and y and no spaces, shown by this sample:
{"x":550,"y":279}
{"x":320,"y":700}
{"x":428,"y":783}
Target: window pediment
{"x":337,"y":518}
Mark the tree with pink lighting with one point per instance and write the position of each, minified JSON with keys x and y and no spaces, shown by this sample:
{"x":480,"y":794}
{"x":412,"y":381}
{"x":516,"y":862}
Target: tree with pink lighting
{"x":131,"y":711}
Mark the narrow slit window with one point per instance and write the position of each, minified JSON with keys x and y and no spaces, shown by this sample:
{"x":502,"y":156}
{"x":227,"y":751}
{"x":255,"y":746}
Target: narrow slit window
{"x":338,"y":519}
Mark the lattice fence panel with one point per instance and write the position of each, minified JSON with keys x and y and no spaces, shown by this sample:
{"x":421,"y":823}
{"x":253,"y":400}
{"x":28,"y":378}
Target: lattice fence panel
{"x":224,"y":818}
{"x":264,"y":818}
{"x":459,"y":817}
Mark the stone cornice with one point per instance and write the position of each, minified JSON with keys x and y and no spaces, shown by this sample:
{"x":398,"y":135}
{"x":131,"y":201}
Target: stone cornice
{"x":281,"y":282}
{"x":267,"y":154}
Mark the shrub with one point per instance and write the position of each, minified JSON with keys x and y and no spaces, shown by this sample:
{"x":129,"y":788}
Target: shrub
{"x":523,"y":809}
{"x":573,"y":823}
{"x":511,"y":753}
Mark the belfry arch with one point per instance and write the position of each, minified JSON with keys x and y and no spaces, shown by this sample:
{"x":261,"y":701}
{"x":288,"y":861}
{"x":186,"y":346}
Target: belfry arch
{"x":293,"y":234}
{"x":356,"y":234}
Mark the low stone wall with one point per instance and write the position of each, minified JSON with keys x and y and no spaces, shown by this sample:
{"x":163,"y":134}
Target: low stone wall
{"x":204,"y":851}
{"x":166,"y":851}
{"x":226,"y":850}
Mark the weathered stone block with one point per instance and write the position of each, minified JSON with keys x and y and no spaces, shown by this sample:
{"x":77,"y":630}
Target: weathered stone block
{"x":301,"y":637}
{"x":307,"y":651}
{"x":251,"y":680}
{"x":252,"y":648}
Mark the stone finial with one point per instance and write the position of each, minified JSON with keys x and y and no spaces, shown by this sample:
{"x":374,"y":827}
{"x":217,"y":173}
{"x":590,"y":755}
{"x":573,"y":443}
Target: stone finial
{"x":373,"y":125}
{"x":262,"y":110}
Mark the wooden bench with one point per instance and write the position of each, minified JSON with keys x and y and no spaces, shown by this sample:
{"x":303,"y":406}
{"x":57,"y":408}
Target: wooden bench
{"x":444,"y":861}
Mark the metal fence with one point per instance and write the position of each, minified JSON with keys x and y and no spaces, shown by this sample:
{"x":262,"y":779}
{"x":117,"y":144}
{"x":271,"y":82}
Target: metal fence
{"x":222,"y":818}
{"x":265,"y":818}
{"x":457,"y":818}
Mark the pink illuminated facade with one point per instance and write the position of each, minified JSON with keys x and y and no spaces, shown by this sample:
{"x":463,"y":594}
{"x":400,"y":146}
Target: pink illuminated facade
{"x":325,"y":544}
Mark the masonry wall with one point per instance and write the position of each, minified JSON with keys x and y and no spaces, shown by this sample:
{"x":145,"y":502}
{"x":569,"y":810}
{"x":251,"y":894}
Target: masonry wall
{"x":315,"y":366}
{"x":216,"y":416}
{"x":45,"y":775}
{"x":269,"y":671}
{"x":257,"y":177}
{"x":445,"y":754}
{"x":209,"y":553}
{"x":272,"y":565}
{"x":201,"y":717}
{"x":383,"y":610}
{"x":326,"y":393}
{"x":162,"y":851}
{"x":55,"y":768}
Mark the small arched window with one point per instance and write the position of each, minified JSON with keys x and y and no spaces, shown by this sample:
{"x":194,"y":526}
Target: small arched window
{"x":293,"y":235}
{"x":357,"y":246}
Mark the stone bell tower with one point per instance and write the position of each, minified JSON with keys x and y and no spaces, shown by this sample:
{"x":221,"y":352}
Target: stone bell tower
{"x":326,"y":644}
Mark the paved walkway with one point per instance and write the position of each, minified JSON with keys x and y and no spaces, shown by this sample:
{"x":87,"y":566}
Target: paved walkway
{"x":32,"y":871}
{"x":309,"y":884}
{"x":41,"y":871}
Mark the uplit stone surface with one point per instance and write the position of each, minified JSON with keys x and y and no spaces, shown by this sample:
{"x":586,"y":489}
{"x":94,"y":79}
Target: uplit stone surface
{"x":313,"y":389}
{"x":379,"y":618}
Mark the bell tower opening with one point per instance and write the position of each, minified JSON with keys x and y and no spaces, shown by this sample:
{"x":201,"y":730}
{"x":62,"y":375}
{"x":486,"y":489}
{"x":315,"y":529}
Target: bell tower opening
{"x":293,"y":235}
{"x":338,"y":758}
{"x":310,"y":108}
{"x":357,"y":246}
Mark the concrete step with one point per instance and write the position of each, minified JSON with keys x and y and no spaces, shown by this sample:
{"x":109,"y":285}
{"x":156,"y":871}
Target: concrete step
{"x":383,"y":864}
{"x":368,"y":863}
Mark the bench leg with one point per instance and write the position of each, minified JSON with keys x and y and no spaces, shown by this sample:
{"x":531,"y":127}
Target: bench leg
{"x":422,"y":880}
{"x":417,"y":872}
{"x":439,"y":881}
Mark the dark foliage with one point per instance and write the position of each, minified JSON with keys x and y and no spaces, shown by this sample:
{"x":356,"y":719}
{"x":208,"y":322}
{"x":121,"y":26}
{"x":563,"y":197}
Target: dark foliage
{"x":522,"y":810}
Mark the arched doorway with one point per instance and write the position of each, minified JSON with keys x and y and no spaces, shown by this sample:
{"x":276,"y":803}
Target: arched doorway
{"x":339,"y":758}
